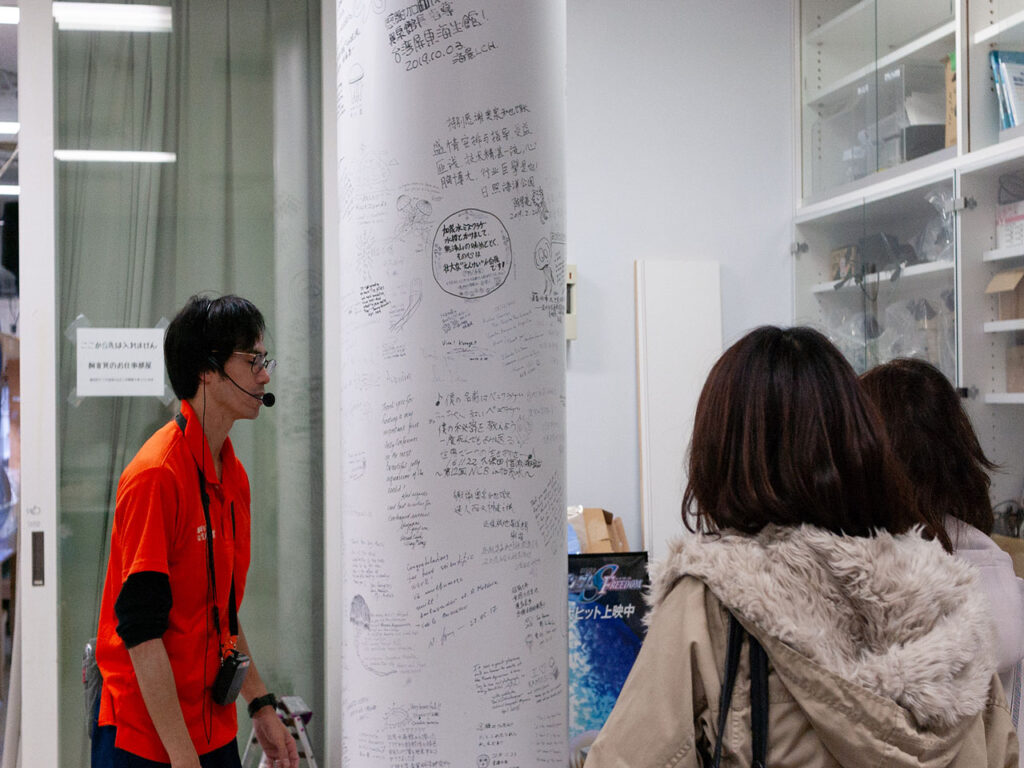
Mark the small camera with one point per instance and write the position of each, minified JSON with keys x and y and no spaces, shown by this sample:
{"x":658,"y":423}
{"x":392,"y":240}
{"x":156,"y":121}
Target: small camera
{"x":234,"y":666}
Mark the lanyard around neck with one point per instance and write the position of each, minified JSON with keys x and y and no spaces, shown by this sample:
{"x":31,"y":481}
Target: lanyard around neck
{"x":179,"y":418}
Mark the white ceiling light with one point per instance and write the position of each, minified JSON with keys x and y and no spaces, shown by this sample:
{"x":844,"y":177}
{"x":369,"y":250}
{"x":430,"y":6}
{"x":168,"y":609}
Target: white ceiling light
{"x":8,"y":129}
{"x":9,"y":189}
{"x":9,"y":15}
{"x":110,"y":156}
{"x":112,"y":17}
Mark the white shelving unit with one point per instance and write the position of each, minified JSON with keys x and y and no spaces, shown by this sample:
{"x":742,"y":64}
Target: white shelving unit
{"x":846,"y":50}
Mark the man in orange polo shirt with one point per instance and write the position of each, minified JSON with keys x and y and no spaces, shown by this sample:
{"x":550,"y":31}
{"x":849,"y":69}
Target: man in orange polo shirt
{"x":169,"y":646}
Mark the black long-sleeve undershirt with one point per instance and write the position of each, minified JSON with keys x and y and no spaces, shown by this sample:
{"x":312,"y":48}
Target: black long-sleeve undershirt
{"x":143,"y":607}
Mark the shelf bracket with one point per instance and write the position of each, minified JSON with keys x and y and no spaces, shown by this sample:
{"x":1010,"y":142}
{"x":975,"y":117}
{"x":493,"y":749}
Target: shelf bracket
{"x":959,"y":204}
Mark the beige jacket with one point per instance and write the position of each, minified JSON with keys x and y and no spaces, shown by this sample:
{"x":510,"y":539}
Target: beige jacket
{"x":880,"y":655}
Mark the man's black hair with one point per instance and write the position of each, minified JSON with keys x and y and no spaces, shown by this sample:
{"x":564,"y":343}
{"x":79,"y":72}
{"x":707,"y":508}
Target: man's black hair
{"x":202,"y":336}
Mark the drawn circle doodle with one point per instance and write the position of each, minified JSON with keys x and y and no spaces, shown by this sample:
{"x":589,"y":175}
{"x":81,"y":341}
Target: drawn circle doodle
{"x":542,"y":253}
{"x":472,"y":254}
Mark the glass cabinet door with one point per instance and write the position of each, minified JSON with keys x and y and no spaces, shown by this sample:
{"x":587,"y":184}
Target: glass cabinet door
{"x":873,"y":87}
{"x":188,"y":161}
{"x":878,"y":278}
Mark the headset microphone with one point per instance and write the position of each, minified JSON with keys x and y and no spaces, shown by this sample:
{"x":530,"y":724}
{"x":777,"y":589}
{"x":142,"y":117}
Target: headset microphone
{"x":267,"y":398}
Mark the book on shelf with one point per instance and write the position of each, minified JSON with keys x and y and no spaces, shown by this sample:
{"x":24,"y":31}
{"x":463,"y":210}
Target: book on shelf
{"x":1011,"y":65}
{"x":1008,"y":78}
{"x":993,"y":58}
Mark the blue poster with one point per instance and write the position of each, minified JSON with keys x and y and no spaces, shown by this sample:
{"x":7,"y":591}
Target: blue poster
{"x":606,"y":611}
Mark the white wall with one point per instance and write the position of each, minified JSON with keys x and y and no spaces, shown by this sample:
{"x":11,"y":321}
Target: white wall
{"x":680,"y":145}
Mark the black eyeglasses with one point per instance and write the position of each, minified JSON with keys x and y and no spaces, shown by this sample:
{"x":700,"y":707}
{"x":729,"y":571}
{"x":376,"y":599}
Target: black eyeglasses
{"x":259,"y":360}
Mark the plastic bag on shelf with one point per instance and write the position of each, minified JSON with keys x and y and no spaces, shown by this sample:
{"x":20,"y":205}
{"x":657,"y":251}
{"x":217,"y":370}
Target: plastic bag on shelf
{"x":886,"y":347}
{"x":921,"y":328}
{"x":913,"y":330}
{"x":575,"y":529}
{"x":935,"y":243}
{"x":855,"y":334}
{"x":902,"y":337}
{"x":947,"y":334}
{"x":881,"y":251}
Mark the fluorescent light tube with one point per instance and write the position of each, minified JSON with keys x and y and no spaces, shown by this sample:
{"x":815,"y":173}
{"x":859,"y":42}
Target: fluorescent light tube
{"x":9,"y":15}
{"x":8,"y":129}
{"x":9,"y":189}
{"x":111,"y":156}
{"x":112,"y":17}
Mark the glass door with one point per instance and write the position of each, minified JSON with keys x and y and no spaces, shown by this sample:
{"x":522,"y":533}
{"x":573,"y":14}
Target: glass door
{"x":878,"y":278}
{"x":187,"y":149}
{"x":873,"y":89}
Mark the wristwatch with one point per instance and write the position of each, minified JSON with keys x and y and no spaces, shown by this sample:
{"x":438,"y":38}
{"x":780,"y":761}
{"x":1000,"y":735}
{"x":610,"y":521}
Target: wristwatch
{"x":260,"y":702}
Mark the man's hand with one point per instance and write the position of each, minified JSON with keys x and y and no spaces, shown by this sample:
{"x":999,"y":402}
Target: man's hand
{"x":277,"y":743}
{"x":279,"y":750}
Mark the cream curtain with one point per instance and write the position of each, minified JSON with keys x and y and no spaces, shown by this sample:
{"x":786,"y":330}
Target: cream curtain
{"x":233,"y":91}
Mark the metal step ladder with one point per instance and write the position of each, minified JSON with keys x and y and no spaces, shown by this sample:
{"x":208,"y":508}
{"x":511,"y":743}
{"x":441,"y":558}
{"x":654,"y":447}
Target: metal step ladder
{"x":295,"y":714}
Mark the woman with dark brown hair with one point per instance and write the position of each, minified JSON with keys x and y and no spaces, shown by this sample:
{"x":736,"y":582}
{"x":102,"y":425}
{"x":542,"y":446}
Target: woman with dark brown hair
{"x":804,"y":543}
{"x":932,"y":436}
{"x":934,"y":440}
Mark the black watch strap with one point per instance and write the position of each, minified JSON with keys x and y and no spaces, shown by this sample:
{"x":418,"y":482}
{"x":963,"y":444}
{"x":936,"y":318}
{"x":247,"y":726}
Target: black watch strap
{"x":262,"y":701}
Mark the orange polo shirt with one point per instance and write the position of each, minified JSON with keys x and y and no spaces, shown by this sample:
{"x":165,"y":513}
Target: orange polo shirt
{"x":159,"y":526}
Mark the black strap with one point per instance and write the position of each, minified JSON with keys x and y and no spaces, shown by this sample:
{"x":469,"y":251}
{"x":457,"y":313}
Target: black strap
{"x":758,"y":703}
{"x":732,"y":663}
{"x":179,"y":418}
{"x":758,"y":693}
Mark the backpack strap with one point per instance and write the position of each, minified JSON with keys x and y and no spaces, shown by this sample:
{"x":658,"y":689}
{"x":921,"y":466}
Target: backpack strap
{"x":758,"y":703}
{"x":732,"y":663}
{"x":758,"y":694}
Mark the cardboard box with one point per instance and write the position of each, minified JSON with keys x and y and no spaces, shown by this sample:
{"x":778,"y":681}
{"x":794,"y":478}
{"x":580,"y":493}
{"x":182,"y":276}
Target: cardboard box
{"x":1015,"y":369}
{"x":844,"y":262}
{"x":1008,"y":287}
{"x":951,"y":100}
{"x":604,"y":532}
{"x":598,"y":524}
{"x":619,"y":535}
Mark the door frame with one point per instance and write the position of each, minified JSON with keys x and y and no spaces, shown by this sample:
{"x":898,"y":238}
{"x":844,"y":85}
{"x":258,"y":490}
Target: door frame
{"x":37,"y":604}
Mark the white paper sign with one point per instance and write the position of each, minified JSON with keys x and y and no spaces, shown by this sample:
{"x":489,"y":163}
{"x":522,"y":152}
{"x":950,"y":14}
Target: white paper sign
{"x":120,"y":362}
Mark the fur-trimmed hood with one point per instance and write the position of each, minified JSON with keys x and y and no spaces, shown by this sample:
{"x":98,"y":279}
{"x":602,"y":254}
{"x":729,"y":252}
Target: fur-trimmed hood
{"x":894,"y":615}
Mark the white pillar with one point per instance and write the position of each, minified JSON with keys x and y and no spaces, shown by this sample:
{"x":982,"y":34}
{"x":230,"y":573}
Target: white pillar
{"x":451,"y":229}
